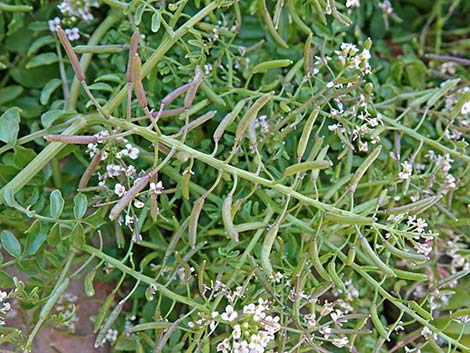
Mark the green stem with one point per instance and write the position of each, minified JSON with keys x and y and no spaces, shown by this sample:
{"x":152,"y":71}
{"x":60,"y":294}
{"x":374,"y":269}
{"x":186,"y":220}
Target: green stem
{"x":143,"y":278}
{"x":85,"y":60}
{"x":15,"y":8}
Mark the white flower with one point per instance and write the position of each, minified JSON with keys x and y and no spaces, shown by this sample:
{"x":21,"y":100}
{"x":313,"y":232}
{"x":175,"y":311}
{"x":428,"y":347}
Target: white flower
{"x":72,"y":34}
{"x":230,"y":314}
{"x":54,"y":24}
{"x":119,"y":190}
{"x":465,"y":108}
{"x":236,"y":333}
{"x":363,"y":147}
{"x":224,"y":346}
{"x":407,"y":170}
{"x":130,"y":151}
{"x":111,"y":335}
{"x":249,"y":309}
{"x":340,"y":342}
{"x":426,"y":332}
{"x":138,"y":204}
{"x":156,"y":188}
{"x":420,"y":225}
{"x":353,"y":3}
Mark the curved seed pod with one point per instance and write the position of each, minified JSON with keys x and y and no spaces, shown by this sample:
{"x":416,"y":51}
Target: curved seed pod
{"x":191,"y":93}
{"x":337,"y":185}
{"x":377,"y":323}
{"x":415,"y":208}
{"x":53,"y":298}
{"x":403,"y":254}
{"x":102,"y":312}
{"x":277,"y":13}
{"x":420,"y":311}
{"x":316,"y":261}
{"x":132,"y":52}
{"x":89,"y":289}
{"x":227,"y":217}
{"x":365,"y":165}
{"x":321,"y":155}
{"x":194,"y":219}
{"x":71,"y":54}
{"x":227,"y":120}
{"x":373,"y":256}
{"x":168,"y":113}
{"x":185,"y":182}
{"x":72,"y":139}
{"x":349,"y":219}
{"x":108,"y":323}
{"x":267,"y":246}
{"x":200,"y":278}
{"x":250,"y":115}
{"x":89,"y":170}
{"x":453,"y":277}
{"x":269,"y":23}
{"x":198,"y":121}
{"x":412,"y":276}
{"x":272,"y":64}
{"x":170,"y":97}
{"x":211,"y":95}
{"x":137,"y":79}
{"x":331,"y":267}
{"x":307,"y":130}
{"x":305,"y":166}
{"x":351,"y":255}
{"x":296,"y":18}
{"x":166,"y":336}
{"x":308,"y":56}
{"x":138,"y":186}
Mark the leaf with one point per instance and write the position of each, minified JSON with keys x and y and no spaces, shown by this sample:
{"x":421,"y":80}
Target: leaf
{"x":138,"y":14}
{"x":78,"y":236}
{"x":39,"y":43}
{"x":9,"y":93}
{"x":35,"y":238}
{"x":5,"y":280}
{"x":53,"y":115}
{"x":42,"y":59}
{"x":10,"y":125}
{"x":48,"y":89}
{"x":54,"y":236}
{"x":10,"y":243}
{"x":9,"y":196}
{"x":56,"y":204}
{"x":109,"y":77}
{"x":100,"y":86}
{"x":80,"y":204}
{"x":156,"y":21}
{"x":22,"y":156}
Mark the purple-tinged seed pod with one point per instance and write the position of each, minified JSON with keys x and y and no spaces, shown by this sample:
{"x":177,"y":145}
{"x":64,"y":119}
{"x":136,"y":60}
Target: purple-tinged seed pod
{"x":138,"y":186}
{"x":72,"y":139}
{"x":71,"y":54}
{"x":89,"y":170}
{"x":188,"y":100}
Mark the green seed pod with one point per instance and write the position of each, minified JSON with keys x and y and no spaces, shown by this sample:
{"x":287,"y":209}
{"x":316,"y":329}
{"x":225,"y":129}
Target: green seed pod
{"x":200,"y":278}
{"x":262,"y":8}
{"x":377,"y":323}
{"x":194,"y":219}
{"x":316,"y":261}
{"x":305,"y":166}
{"x":102,"y":312}
{"x":348,"y":219}
{"x":415,"y":207}
{"x":307,"y":130}
{"x":403,"y":254}
{"x":89,"y":289}
{"x":53,"y":298}
{"x":351,"y":255}
{"x":365,"y":165}
{"x":251,"y":115}
{"x":373,"y":256}
{"x":185,"y":183}
{"x":108,"y":323}
{"x":272,"y":64}
{"x":227,"y":120}
{"x":420,"y":311}
{"x":331,"y":267}
{"x":227,"y":218}
{"x":412,"y":276}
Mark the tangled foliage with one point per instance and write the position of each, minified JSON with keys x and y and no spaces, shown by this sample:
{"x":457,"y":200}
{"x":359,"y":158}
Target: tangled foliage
{"x":250,"y":176}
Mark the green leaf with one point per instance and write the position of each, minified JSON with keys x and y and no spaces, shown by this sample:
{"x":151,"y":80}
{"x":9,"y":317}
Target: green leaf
{"x":56,"y":204}
{"x":36,"y":236}
{"x":138,"y":14}
{"x":100,"y":86}
{"x":10,"y":243}
{"x":42,"y":59}
{"x":9,"y":93}
{"x":54,"y":236}
{"x":109,"y":77}
{"x":9,"y":196}
{"x":22,"y":156}
{"x":156,"y":21}
{"x":78,"y":236}
{"x":53,"y":115}
{"x":10,"y":125}
{"x":5,"y":280}
{"x":48,"y":89}
{"x":39,"y":43}
{"x":80,"y":204}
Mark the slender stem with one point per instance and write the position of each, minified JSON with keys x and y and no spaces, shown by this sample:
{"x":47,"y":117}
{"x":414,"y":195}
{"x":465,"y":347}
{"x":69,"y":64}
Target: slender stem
{"x":143,"y":278}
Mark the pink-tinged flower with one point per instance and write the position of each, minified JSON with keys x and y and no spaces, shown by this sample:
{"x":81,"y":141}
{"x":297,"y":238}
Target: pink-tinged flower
{"x":72,"y":34}
{"x":54,"y":24}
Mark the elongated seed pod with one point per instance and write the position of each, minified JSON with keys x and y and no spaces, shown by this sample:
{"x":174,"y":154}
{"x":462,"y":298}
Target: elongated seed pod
{"x":316,"y":261}
{"x":351,"y":255}
{"x":227,"y":120}
{"x":307,"y":130}
{"x":296,"y":18}
{"x":175,"y":239}
{"x":336,"y":186}
{"x":170,"y":97}
{"x":156,"y":325}
{"x":269,"y":24}
{"x":244,"y":227}
{"x":344,"y":20}
{"x":89,"y":170}
{"x":71,"y":54}
{"x":198,"y":121}
{"x":453,"y":277}
{"x":250,"y":115}
{"x":349,"y":219}
{"x":420,"y":310}
{"x":317,"y":149}
{"x":412,"y":276}
{"x":53,"y":298}
{"x":72,"y":139}
{"x":415,"y":207}
{"x":227,"y":218}
{"x":108,"y":323}
{"x":185,"y":183}
{"x":194,"y":219}
{"x":365,"y":165}
{"x":373,"y":256}
{"x":89,"y":289}
{"x":308,"y":56}
{"x":277,"y":13}
{"x":271,"y":64}
{"x":137,"y":80}
{"x":211,"y":95}
{"x":200,"y":278}
{"x":267,"y":246}
{"x":321,"y":156}
{"x":374,"y":316}
{"x":191,"y":93}
{"x":331,"y":267}
{"x":166,"y":336}
{"x":168,"y":113}
{"x":132,"y":52}
{"x":138,"y":186}
{"x":102,"y":312}
{"x":403,"y":254}
{"x":305,"y":166}
{"x":260,"y":275}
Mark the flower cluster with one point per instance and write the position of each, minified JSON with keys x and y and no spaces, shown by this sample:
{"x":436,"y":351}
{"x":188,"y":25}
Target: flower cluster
{"x":5,"y":307}
{"x":252,"y":329}
{"x":350,"y":57}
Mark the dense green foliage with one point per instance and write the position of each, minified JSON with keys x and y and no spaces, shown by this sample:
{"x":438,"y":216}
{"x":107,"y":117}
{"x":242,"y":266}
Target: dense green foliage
{"x":320,"y":204}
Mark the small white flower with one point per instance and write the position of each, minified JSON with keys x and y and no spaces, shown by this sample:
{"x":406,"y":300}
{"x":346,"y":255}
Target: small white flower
{"x":340,"y":342}
{"x":111,"y":335}
{"x":156,"y":188}
{"x":224,"y":346}
{"x":119,"y":190}
{"x":407,"y":170}
{"x":131,"y":151}
{"x":236,"y":333}
{"x":138,"y":204}
{"x":353,"y":3}
{"x":230,"y":314}
{"x":72,"y":34}
{"x":54,"y":24}
{"x":426,"y":332}
{"x":465,"y":108}
{"x":249,"y":309}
